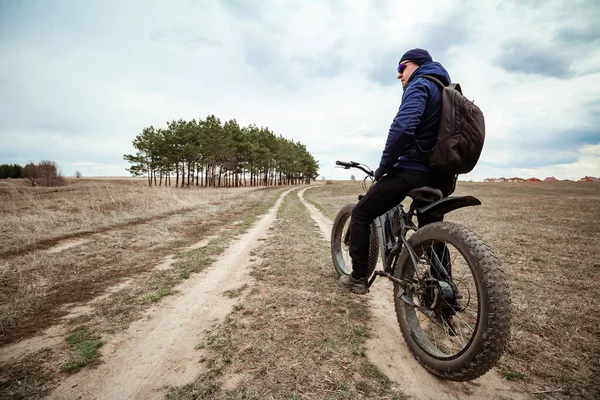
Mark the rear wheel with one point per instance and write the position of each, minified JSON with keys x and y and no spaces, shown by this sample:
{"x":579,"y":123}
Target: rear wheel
{"x":340,"y":243}
{"x":455,"y":312}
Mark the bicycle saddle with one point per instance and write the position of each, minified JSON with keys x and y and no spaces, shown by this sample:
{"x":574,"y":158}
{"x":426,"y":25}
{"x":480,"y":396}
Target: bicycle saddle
{"x":425,"y":194}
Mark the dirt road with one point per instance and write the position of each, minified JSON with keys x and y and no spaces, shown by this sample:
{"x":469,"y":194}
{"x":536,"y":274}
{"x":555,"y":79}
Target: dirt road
{"x":160,"y":350}
{"x":388,"y":351}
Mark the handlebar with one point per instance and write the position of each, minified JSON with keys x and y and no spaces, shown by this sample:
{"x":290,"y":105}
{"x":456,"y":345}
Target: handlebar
{"x":354,"y":164}
{"x":346,"y":164}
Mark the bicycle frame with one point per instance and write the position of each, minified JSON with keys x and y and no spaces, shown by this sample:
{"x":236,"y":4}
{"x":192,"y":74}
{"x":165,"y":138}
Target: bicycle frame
{"x":389,"y":245}
{"x":386,"y":240}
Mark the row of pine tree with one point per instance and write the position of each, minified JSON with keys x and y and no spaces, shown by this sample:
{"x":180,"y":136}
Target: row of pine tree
{"x":210,"y":153}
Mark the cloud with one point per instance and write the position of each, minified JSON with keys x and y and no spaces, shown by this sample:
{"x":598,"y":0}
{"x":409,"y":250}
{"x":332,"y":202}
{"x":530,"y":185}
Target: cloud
{"x":587,"y":35}
{"x":587,"y":159}
{"x":555,"y":59}
{"x":326,"y":67}
{"x":84,"y":164}
{"x":184,"y":37}
{"x":537,"y":143}
{"x":567,"y":36}
{"x":529,"y":58}
{"x":259,"y":56}
{"x":383,"y":70}
{"x":439,"y":39}
{"x":82,"y":80}
{"x":246,"y":9}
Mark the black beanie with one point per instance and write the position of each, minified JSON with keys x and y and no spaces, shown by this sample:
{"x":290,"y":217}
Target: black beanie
{"x":418,"y":56}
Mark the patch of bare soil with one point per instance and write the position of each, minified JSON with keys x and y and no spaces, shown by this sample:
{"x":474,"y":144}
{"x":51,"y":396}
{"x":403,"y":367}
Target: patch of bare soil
{"x":67,"y":244}
{"x":34,"y":286}
{"x":39,"y":218}
{"x":59,"y":243}
{"x":51,"y":337}
{"x":161,"y":349}
{"x":387,"y":350}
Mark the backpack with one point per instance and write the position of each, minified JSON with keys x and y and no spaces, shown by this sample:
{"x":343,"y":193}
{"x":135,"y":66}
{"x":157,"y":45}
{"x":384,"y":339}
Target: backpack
{"x":461,"y":133}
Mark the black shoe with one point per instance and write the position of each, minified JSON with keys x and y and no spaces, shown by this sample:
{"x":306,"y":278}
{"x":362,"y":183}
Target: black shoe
{"x":358,"y":286}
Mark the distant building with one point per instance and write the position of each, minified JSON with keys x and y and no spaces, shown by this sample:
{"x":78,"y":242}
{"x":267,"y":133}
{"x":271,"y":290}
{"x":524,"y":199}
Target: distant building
{"x":501,"y":179}
{"x":588,"y":179}
{"x":515,"y":179}
{"x":532,"y":180}
{"x":550,"y":179}
{"x":489,"y":180}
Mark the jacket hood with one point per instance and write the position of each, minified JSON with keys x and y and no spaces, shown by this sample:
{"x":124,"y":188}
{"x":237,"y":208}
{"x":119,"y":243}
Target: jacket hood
{"x":433,"y":68}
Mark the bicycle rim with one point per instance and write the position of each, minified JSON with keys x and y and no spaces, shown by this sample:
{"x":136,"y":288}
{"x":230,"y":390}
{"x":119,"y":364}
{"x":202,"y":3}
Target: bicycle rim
{"x":342,"y":243}
{"x":442,"y":324}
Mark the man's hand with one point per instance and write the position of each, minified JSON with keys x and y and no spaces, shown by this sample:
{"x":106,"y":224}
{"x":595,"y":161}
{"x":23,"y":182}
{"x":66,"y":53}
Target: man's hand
{"x":379,"y":173}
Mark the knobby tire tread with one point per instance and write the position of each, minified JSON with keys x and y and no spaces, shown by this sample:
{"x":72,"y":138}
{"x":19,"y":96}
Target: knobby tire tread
{"x":496,"y":332}
{"x":339,"y":222}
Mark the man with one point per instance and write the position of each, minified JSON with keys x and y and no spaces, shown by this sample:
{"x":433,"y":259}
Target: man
{"x":403,"y":164}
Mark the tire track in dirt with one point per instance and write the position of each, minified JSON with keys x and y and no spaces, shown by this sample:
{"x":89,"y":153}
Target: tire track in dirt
{"x":387,"y":349}
{"x":159,"y":350}
{"x":74,"y":237}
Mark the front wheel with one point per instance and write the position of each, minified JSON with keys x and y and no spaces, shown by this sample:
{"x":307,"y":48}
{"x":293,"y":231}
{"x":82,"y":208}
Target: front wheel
{"x":454,"y":309}
{"x":340,"y":243}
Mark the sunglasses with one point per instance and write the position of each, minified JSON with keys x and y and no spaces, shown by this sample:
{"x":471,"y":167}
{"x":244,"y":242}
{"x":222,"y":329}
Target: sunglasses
{"x":402,"y":67}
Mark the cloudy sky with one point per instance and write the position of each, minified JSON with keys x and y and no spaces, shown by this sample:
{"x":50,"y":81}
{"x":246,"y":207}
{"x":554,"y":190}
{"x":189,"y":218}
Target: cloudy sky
{"x":80,"y":79}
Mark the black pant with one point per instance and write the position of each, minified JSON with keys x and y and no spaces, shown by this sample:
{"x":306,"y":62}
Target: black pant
{"x":382,"y":197}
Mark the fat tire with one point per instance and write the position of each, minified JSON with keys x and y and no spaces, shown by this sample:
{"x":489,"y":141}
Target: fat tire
{"x":493,"y":326}
{"x":336,"y":242}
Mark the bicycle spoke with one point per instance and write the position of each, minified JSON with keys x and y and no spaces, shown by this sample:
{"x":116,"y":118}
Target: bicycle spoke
{"x":449,"y":329}
{"x":448,"y":336}
{"x":472,"y":329}
{"x":460,"y":279}
{"x":443,"y":254}
{"x":435,"y":338}
{"x":455,"y":255}
{"x":430,"y":319}
{"x":439,"y":262}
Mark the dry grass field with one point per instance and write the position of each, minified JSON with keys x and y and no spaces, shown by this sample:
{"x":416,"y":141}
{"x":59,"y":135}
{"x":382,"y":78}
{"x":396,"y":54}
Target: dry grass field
{"x":38,"y":217}
{"x":87,"y":260}
{"x":66,"y":245}
{"x":547,"y":236}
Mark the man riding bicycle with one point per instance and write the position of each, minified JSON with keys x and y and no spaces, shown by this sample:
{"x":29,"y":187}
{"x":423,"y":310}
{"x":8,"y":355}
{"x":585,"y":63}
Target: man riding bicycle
{"x":404,"y":165}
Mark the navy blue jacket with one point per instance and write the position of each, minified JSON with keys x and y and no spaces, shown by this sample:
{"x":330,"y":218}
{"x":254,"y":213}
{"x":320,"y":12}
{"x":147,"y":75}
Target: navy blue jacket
{"x":418,"y":118}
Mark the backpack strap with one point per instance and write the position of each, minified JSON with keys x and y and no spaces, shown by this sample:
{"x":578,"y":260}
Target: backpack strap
{"x":433,"y":79}
{"x":420,"y":150}
{"x":454,"y":86}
